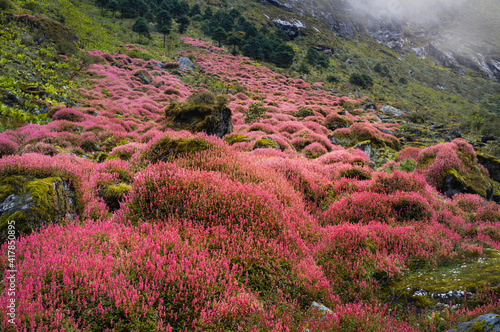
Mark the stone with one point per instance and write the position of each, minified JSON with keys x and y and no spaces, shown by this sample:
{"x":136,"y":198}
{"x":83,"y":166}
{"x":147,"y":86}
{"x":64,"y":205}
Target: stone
{"x":186,"y":64}
{"x":392,"y":111}
{"x":486,"y":139}
{"x":366,"y":147}
{"x":321,"y":307}
{"x":214,"y":119}
{"x":34,"y":202}
{"x":487,"y":322}
{"x":476,"y":183}
{"x":11,"y":99}
{"x":144,"y":76}
{"x":455,"y":133}
{"x":491,"y":163}
{"x":266,"y":143}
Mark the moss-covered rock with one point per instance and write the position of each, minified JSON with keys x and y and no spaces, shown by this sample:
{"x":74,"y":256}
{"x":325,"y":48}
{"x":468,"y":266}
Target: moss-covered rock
{"x":33,"y":202}
{"x":210,"y":118}
{"x":473,"y":182}
{"x":447,"y":284}
{"x":144,"y":76}
{"x":168,"y":147}
{"x":231,"y":139}
{"x":113,"y":194}
{"x":483,"y":323}
{"x":491,"y":163}
{"x":266,"y":143}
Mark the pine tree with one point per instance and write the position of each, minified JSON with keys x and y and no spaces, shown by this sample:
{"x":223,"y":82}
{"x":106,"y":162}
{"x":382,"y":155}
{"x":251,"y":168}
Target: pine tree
{"x":141,"y":27}
{"x":219,"y":34}
{"x":165,"y":30}
{"x":183,"y":23}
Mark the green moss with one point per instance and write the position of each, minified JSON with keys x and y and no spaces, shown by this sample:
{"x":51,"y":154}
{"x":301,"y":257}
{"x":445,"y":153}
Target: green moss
{"x":356,"y":173}
{"x":35,"y":202}
{"x":466,"y":275}
{"x":168,"y":147}
{"x":208,"y":118}
{"x":303,"y":112}
{"x":266,"y":143}
{"x":113,"y":194}
{"x":231,"y":139}
{"x":476,"y":181}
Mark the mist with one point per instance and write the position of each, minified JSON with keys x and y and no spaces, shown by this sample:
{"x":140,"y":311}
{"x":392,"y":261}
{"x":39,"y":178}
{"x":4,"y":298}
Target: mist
{"x":414,"y":10}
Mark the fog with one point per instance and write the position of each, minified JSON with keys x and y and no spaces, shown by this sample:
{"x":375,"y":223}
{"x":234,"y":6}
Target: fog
{"x":415,"y":10}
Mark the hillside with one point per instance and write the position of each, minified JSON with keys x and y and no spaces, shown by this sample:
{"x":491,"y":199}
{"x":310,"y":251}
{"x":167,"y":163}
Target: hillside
{"x":179,"y":182}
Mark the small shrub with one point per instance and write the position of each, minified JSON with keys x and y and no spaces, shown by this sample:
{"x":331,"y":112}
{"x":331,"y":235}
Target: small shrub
{"x":5,"y":4}
{"x":363,"y":80}
{"x":254,"y":112}
{"x":303,"y":112}
{"x":69,"y":114}
{"x":204,"y":97}
{"x":332,"y":79}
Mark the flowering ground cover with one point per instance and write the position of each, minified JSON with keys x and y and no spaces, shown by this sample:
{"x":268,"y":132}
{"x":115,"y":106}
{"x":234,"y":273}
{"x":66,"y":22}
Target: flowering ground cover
{"x":180,"y":231}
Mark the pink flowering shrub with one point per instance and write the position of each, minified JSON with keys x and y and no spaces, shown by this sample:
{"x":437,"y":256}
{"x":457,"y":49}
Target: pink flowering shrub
{"x":41,"y":148}
{"x":408,"y":153}
{"x":365,"y":207}
{"x":69,"y":114}
{"x":126,"y":151}
{"x":189,"y":233}
{"x":7,"y":146}
{"x":314,"y":150}
{"x":456,"y":158}
{"x":341,"y":155}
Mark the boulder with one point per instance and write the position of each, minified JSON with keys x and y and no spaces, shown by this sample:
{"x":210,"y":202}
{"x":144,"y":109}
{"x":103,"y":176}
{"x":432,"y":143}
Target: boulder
{"x":186,"y":64}
{"x":33,"y":202}
{"x":391,"y":111}
{"x":266,"y":143}
{"x":144,"y":76}
{"x":366,"y":147}
{"x":491,"y":163}
{"x":212,"y":119}
{"x":473,"y":183}
{"x":488,"y":322}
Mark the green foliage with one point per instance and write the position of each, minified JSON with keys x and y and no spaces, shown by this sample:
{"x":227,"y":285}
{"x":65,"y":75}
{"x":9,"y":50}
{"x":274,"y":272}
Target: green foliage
{"x":204,"y":97}
{"x":220,"y":35}
{"x":303,"y":69}
{"x":303,"y":112}
{"x":5,"y":4}
{"x":363,"y":80}
{"x":407,"y":165}
{"x":254,"y":112}
{"x":317,"y":59}
{"x":141,"y":27}
{"x":332,"y":79}
{"x":183,"y":22}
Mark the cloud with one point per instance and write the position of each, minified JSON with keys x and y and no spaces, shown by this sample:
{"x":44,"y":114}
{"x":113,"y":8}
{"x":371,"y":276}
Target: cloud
{"x":416,"y":10}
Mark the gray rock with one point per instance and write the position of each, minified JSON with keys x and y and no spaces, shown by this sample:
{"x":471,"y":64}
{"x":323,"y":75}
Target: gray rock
{"x":144,"y":76}
{"x":321,"y":307}
{"x":366,"y":147}
{"x":492,"y":164}
{"x":488,"y":322}
{"x":186,"y":64}
{"x":392,"y":111}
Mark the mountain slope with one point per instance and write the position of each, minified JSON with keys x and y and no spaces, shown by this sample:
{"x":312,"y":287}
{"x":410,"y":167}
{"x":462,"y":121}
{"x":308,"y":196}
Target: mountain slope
{"x":318,"y":211}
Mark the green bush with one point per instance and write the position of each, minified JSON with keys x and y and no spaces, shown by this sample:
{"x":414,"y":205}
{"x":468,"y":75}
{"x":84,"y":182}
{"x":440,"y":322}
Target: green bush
{"x":5,"y":4}
{"x":254,"y":112}
{"x":363,"y":80}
